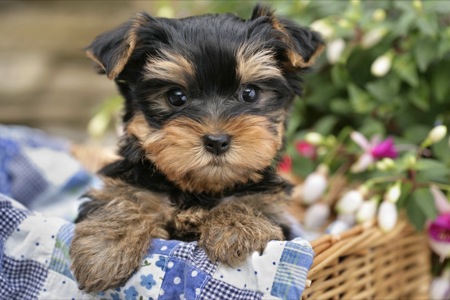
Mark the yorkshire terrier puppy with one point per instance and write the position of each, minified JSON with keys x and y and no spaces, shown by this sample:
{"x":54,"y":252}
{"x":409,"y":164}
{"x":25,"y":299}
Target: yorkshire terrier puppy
{"x":206,"y":102}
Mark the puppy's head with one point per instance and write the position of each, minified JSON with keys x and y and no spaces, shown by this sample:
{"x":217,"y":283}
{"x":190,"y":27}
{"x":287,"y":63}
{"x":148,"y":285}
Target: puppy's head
{"x":207,"y":96}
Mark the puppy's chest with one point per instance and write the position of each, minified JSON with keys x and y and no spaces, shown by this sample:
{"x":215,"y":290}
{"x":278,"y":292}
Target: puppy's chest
{"x":185,"y":201}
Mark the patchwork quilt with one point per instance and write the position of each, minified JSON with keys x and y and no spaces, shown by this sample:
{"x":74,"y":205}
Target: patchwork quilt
{"x":34,"y":247}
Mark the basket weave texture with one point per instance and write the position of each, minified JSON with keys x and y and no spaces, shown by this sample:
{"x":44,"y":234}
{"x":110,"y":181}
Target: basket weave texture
{"x":361,"y":263}
{"x":367,"y":263}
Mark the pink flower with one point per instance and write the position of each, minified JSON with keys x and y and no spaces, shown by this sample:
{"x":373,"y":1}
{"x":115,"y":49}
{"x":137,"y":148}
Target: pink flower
{"x":439,"y":229}
{"x":439,"y":235}
{"x":306,"y":149}
{"x":373,"y":150}
{"x":285,"y":164}
{"x":384,"y":149}
{"x":440,"y":200}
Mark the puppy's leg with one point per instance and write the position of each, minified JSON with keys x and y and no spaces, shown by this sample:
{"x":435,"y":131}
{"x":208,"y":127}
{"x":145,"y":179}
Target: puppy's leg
{"x":234,"y":230}
{"x":109,"y":244}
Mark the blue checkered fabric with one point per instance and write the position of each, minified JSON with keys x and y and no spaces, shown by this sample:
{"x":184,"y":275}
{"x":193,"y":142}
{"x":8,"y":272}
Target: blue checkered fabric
{"x":196,"y":256}
{"x":217,"y":289}
{"x":34,"y":249}
{"x":19,"y":279}
{"x":9,"y":218}
{"x":38,"y":171}
{"x":294,"y":265}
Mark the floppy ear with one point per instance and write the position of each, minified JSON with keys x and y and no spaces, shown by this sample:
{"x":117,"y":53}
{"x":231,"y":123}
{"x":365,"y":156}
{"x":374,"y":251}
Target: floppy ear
{"x":112,"y":50}
{"x":302,"y":44}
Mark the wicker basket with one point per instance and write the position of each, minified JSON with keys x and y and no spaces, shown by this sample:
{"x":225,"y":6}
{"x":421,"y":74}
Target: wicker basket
{"x":366,"y":263}
{"x":361,"y":263}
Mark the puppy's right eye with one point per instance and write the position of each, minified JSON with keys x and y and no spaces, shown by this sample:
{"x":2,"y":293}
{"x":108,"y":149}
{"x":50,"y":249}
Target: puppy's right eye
{"x":176,"y":97}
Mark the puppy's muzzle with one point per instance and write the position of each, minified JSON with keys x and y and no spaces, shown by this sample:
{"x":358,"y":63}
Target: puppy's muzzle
{"x":217,"y":143}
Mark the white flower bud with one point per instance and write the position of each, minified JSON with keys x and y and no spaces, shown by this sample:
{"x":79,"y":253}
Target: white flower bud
{"x":440,"y":200}
{"x":373,"y":37}
{"x":166,"y":12}
{"x":381,"y":66}
{"x":314,"y":138}
{"x":379,"y":15}
{"x":349,"y":219}
{"x":440,"y":288}
{"x":98,"y":124}
{"x":387,"y":216}
{"x":316,"y":215}
{"x":324,"y":28}
{"x":334,"y":50}
{"x":337,"y":227}
{"x":314,"y":186}
{"x":385,"y":164}
{"x":367,"y":211}
{"x":393,"y":193}
{"x":381,"y":166}
{"x":364,"y":162}
{"x":437,"y":133}
{"x":350,"y":202}
{"x":417,"y":5}
{"x":411,"y":161}
{"x":442,"y":249}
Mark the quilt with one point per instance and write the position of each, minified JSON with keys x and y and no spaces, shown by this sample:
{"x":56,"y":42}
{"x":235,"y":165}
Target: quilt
{"x":34,"y":247}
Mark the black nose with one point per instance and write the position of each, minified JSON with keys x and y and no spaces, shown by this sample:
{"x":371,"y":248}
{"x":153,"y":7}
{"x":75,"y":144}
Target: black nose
{"x":216,"y":143}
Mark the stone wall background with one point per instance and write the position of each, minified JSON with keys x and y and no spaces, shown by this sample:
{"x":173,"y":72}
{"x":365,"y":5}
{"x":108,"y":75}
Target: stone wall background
{"x":45,"y":79}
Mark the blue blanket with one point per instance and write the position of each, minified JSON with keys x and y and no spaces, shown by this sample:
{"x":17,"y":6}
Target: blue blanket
{"x":34,"y":260}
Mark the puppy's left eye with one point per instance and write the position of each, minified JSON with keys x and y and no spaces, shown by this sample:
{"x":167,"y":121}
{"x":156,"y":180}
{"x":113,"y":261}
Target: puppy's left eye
{"x":250,"y":94}
{"x":176,"y":97}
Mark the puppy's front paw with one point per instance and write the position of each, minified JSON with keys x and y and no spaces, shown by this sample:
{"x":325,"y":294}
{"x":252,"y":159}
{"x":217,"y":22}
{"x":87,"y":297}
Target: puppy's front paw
{"x":101,"y":261}
{"x":231,"y":238}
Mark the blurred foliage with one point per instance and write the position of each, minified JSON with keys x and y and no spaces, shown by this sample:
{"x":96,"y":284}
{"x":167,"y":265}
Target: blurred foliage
{"x":384,"y":72}
{"x":408,"y":97}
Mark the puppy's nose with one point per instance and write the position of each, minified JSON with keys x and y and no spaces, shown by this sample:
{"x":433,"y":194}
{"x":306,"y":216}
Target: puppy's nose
{"x":217,"y":143}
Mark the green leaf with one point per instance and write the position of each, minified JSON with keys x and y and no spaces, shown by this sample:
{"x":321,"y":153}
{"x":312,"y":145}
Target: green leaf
{"x":406,"y":69}
{"x":443,"y":47}
{"x":425,"y":201}
{"x":420,"y":208}
{"x":415,"y":215}
{"x":439,"y":81}
{"x":431,"y":170}
{"x":425,"y":52}
{"x":420,"y":96}
{"x":441,"y":151}
{"x":371,"y":126}
{"x":339,"y":75}
{"x":405,"y":194}
{"x":428,"y":25}
{"x":340,"y":106}
{"x":403,"y":25}
{"x":384,"y":89}
{"x":416,"y":133}
{"x":360,"y":100}
{"x":302,"y":166}
{"x":325,"y":125}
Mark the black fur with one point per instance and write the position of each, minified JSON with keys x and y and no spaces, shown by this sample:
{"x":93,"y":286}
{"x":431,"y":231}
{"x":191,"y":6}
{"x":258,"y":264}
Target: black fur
{"x":210,"y":42}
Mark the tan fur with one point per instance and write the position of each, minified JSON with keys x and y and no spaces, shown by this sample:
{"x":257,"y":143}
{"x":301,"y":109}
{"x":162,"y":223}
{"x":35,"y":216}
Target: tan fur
{"x":110,"y":243}
{"x":172,"y":67}
{"x":235,"y":229}
{"x":177,"y":150}
{"x":255,"y":65}
{"x":130,"y":43}
{"x":295,"y":59}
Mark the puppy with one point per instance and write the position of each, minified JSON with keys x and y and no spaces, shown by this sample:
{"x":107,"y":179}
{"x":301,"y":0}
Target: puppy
{"x":206,"y":102}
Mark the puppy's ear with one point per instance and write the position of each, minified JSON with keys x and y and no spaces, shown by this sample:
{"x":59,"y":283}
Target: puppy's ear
{"x":112,"y":50}
{"x":302,"y":45}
